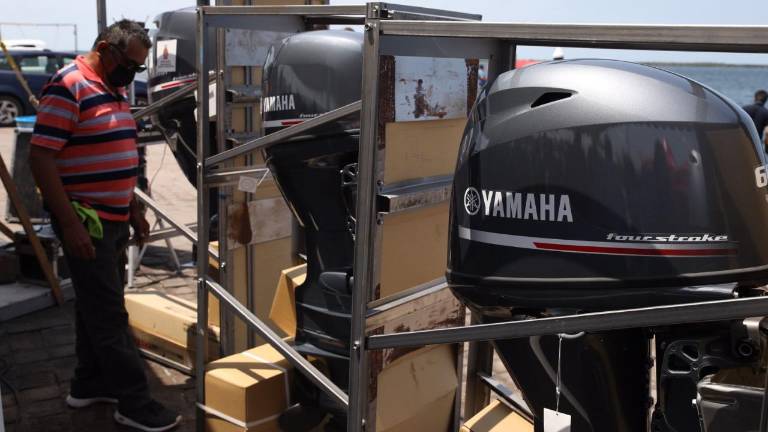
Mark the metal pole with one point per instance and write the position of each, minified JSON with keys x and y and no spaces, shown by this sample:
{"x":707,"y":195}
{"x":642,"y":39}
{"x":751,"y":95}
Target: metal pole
{"x":284,"y":134}
{"x":181,"y":228}
{"x":365,"y":227}
{"x":101,"y":15}
{"x":709,"y":311}
{"x":302,"y":365}
{"x":201,"y":347}
{"x":225,"y":194}
{"x":75,"y":26}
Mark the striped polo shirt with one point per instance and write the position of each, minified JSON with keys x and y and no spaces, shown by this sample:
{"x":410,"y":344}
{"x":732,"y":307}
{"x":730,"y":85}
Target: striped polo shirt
{"x":94,"y":135}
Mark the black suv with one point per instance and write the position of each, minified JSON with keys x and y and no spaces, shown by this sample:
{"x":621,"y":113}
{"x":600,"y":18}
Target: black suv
{"x":37,"y":67}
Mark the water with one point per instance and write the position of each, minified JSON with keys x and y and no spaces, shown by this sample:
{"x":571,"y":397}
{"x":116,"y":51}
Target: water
{"x":737,"y":82}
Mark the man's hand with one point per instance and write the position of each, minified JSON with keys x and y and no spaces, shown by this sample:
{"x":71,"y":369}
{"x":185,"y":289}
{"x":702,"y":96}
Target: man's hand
{"x":78,"y":242}
{"x":140,"y":226}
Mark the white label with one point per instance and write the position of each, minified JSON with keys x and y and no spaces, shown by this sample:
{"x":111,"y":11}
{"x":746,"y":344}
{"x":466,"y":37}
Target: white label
{"x":211,"y":101}
{"x":247,"y":184}
{"x":166,"y":56}
{"x":556,"y":421}
{"x":761,"y":176}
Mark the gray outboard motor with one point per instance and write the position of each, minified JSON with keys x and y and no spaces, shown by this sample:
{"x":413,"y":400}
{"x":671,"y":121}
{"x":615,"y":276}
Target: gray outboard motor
{"x":306,"y":75}
{"x":176,"y":32}
{"x":592,"y":185}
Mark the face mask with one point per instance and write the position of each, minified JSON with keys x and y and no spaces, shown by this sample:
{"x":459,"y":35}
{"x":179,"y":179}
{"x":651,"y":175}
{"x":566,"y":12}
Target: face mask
{"x":120,"y":76}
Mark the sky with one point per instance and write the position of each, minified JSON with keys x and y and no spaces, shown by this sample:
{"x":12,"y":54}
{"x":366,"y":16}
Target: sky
{"x":717,"y":12}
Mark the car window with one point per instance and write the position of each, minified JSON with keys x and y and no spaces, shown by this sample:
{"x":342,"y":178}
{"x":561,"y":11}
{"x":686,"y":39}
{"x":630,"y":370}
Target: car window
{"x":4,"y":65}
{"x":38,"y":64}
{"x":65,"y":60}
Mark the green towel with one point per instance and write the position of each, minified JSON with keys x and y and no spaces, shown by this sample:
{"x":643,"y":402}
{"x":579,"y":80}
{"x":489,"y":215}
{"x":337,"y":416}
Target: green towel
{"x":90,"y":219}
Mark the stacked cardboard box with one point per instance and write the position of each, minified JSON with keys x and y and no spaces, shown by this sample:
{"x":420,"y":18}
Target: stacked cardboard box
{"x":164,"y":325}
{"x":497,"y":417}
{"x":246,"y":392}
{"x":283,"y":311}
{"x":416,"y":392}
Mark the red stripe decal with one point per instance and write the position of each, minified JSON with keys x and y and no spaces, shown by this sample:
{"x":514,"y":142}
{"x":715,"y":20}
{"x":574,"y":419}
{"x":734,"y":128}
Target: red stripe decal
{"x":634,"y":251}
{"x":291,"y":122}
{"x":173,"y":84}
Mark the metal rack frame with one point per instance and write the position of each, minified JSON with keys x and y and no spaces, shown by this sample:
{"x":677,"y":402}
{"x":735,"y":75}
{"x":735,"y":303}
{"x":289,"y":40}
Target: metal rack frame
{"x":391,"y":30}
{"x":239,"y":16}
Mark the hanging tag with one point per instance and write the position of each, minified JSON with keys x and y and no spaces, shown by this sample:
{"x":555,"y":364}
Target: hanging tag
{"x":247,"y":184}
{"x":556,"y":421}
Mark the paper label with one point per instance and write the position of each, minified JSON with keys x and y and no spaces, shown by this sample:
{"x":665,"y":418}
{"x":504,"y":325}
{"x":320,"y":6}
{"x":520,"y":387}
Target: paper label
{"x":166,"y":56}
{"x":556,"y":421}
{"x":247,"y":184}
{"x":211,"y":101}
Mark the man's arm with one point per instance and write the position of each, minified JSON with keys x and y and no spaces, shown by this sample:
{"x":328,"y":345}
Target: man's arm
{"x":57,"y":118}
{"x":138,"y":222}
{"x":75,"y":237}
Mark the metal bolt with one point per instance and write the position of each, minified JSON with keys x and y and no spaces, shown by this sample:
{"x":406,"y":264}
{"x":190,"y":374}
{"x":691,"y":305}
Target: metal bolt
{"x":356,"y":346}
{"x":368,"y":27}
{"x":223,"y":265}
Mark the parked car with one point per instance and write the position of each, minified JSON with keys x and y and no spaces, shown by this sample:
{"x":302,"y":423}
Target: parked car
{"x":37,"y":67}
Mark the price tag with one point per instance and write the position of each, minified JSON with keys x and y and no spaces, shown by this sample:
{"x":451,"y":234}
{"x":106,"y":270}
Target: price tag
{"x":247,"y":184}
{"x":556,"y":421}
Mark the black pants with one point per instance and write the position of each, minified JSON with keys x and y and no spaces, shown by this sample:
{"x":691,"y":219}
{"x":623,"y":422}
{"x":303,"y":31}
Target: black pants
{"x":108,"y":360}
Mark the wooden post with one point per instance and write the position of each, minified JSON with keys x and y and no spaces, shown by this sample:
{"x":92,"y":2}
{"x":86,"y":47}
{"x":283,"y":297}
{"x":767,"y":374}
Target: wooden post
{"x":21,"y":211}
{"x":5,"y":230}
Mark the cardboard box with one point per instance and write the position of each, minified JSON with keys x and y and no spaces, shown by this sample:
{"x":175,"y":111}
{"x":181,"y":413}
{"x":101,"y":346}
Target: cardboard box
{"x":497,"y":417}
{"x":414,"y":248}
{"x":417,"y":149}
{"x":283,"y":312}
{"x":268,"y":259}
{"x":181,"y":355}
{"x":416,"y":392}
{"x":165,"y":325}
{"x":250,"y":387}
{"x":216,"y":424}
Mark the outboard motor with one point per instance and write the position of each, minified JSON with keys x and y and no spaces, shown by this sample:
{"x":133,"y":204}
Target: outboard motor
{"x":306,"y":75}
{"x":173,"y":66}
{"x":591,"y":185}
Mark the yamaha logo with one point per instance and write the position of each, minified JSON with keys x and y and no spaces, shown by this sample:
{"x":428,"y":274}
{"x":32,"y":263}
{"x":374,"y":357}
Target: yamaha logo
{"x":545,"y":207}
{"x":472,"y":201}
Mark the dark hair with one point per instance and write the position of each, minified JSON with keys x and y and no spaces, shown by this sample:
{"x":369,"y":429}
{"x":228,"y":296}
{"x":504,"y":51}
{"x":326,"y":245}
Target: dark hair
{"x":761,"y":96}
{"x":121,"y":32}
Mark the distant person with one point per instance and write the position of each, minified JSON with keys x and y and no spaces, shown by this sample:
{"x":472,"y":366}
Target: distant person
{"x":85,"y":161}
{"x":758,"y":112}
{"x":482,"y":76}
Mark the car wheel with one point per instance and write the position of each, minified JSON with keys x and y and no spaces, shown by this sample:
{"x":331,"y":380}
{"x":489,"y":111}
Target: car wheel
{"x":10,"y":108}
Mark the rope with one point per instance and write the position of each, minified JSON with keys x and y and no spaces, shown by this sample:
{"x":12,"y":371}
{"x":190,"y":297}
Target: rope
{"x":32,"y":99}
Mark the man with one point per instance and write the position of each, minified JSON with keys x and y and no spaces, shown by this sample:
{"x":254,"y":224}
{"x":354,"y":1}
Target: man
{"x":84,"y":160}
{"x":758,"y":112}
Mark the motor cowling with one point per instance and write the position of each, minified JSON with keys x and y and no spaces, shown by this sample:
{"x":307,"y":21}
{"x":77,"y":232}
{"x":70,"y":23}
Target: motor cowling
{"x":591,"y":185}
{"x":597,"y":178}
